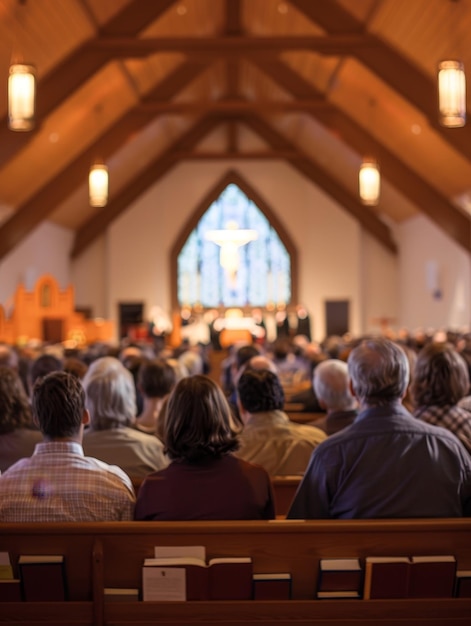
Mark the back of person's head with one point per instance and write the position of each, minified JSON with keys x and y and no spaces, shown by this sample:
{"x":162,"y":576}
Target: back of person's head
{"x":262,"y":362}
{"x":74,"y":365}
{"x":8,"y":356}
{"x":331,"y":385}
{"x":58,"y":405}
{"x":198,"y":422}
{"x":15,"y":411}
{"x":110,"y":394}
{"x":440,"y":376}
{"x":45,"y":364}
{"x":244,"y":354}
{"x":260,"y":390}
{"x":379,"y":371}
{"x":156,"y":378}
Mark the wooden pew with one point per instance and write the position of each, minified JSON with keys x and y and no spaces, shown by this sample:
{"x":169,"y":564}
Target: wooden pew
{"x":100,"y":555}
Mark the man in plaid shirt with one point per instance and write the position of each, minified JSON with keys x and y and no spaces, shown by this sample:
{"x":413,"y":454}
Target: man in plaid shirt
{"x":59,"y":483}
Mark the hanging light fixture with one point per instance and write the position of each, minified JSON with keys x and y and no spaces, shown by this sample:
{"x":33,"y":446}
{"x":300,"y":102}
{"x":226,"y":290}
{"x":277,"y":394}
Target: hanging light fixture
{"x":369,"y":182}
{"x":21,"y":97}
{"x":451,"y":78}
{"x":452,"y":93}
{"x":98,"y":185}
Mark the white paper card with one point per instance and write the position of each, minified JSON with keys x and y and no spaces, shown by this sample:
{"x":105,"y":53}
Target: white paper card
{"x":163,"y":584}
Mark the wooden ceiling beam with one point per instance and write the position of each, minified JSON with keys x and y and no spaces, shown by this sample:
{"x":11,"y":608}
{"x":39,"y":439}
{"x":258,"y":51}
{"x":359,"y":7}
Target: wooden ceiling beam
{"x":47,"y":199}
{"x":454,"y":222}
{"x":246,"y":155}
{"x":160,"y":166}
{"x":78,"y":67}
{"x":129,"y":47}
{"x":235,"y":105}
{"x":390,"y":66}
{"x":323,"y":179}
{"x":233,"y":17}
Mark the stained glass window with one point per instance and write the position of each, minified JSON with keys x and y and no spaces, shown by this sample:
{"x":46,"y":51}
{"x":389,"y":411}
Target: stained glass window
{"x":234,"y":257}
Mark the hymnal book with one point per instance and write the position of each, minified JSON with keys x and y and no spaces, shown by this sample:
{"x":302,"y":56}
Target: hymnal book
{"x":338,"y":576}
{"x":272,"y":586}
{"x":181,"y":578}
{"x":116,"y":594}
{"x":432,"y":576}
{"x":463,"y":584}
{"x":6,"y":570}
{"x":10,"y":590}
{"x":386,"y":577}
{"x":43,"y":578}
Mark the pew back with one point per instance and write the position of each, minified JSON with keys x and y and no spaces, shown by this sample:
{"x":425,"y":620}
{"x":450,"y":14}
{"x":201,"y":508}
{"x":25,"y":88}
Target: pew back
{"x":111,"y":554}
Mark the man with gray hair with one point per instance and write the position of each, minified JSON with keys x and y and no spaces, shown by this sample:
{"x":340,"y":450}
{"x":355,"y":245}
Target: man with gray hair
{"x":331,"y":386}
{"x":387,"y":464}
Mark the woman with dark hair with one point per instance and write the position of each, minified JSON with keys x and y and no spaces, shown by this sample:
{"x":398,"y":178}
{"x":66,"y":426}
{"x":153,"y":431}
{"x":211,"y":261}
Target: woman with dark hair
{"x":18,"y":436}
{"x":204,"y":480}
{"x":439,"y":382}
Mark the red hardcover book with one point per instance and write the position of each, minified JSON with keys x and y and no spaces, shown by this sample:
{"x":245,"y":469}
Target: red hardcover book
{"x":272,"y":586}
{"x":230,"y":578}
{"x":10,"y":590}
{"x":43,"y":578}
{"x":463,"y":584}
{"x":386,"y":577}
{"x":432,"y":576}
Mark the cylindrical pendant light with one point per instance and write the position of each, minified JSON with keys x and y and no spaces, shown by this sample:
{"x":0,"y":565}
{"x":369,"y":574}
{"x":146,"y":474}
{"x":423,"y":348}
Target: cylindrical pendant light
{"x":21,"y":97}
{"x":369,"y":182}
{"x":98,"y":185}
{"x":452,"y":93}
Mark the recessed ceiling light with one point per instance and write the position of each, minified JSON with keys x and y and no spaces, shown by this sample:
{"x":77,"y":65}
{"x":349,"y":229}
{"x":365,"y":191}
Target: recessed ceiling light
{"x":282,"y":8}
{"x":416,"y":129}
{"x":54,"y":137}
{"x":181,"y":9}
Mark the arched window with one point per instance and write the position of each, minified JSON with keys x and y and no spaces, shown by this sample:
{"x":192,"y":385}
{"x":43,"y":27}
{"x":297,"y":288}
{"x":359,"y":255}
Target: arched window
{"x":233,"y":257}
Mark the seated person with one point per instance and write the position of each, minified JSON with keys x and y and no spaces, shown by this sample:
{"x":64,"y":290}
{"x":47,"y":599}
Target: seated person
{"x":111,"y":437}
{"x":155,"y":380}
{"x":269,"y":438}
{"x":331,"y":386}
{"x":58,"y":483}
{"x":387,"y":464}
{"x":18,"y":435}
{"x":440,"y":381}
{"x":204,"y":480}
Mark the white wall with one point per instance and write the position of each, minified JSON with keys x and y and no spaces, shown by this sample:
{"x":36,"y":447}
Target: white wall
{"x":429,"y":260}
{"x":45,"y":251}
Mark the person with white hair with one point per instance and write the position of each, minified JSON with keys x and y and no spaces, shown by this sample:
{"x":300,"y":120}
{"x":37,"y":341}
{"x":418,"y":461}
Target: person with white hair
{"x":387,"y":464}
{"x":331,"y":386}
{"x":111,"y":436}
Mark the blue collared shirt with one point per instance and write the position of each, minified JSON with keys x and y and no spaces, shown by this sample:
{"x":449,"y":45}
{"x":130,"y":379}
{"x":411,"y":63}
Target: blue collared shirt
{"x":387,"y":464}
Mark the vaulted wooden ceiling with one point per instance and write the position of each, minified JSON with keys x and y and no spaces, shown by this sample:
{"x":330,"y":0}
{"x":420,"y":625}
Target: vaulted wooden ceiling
{"x":145,"y":84}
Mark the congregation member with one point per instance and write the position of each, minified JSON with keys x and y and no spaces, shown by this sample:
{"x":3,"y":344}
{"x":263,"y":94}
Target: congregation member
{"x":155,"y":380}
{"x":111,"y":436}
{"x":43,"y":365}
{"x":58,"y":483}
{"x":268,"y":437}
{"x":387,"y":464}
{"x":204,"y":479}
{"x":440,"y":381}
{"x":18,"y":436}
{"x":331,"y":386}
